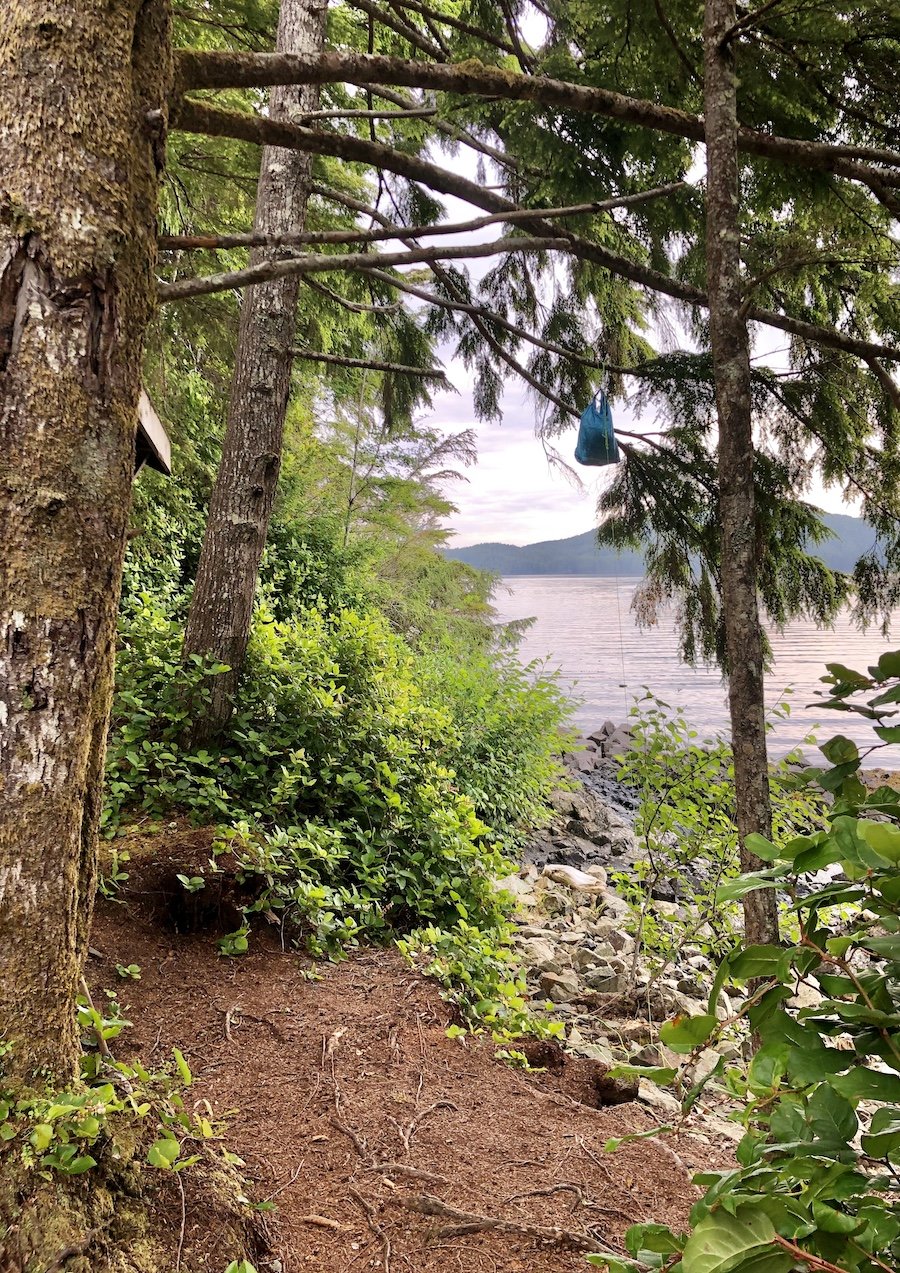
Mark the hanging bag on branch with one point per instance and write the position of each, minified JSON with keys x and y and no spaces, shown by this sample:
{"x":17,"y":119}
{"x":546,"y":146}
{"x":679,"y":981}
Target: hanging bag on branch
{"x":596,"y":444}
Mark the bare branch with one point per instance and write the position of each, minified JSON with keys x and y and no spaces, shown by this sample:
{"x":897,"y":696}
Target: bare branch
{"x":264,"y":271}
{"x":417,"y":112}
{"x":217,"y":241}
{"x":403,"y":29}
{"x":216,"y":69}
{"x":195,"y":116}
{"x":369,"y":364}
{"x":354,"y":307}
{"x":467,"y":29}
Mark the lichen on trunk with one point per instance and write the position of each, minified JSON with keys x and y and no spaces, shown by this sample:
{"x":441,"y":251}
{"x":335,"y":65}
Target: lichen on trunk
{"x":77,"y":247}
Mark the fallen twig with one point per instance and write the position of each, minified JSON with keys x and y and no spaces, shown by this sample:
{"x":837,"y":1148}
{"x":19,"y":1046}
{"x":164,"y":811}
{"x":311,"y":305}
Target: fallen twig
{"x":359,"y":1142}
{"x":404,"y":1169}
{"x":372,"y":1221}
{"x":470,"y":1222}
{"x":324,"y":1222}
{"x":406,"y":1133}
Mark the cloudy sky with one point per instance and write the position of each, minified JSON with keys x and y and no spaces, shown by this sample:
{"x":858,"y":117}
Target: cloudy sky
{"x":514,"y":495}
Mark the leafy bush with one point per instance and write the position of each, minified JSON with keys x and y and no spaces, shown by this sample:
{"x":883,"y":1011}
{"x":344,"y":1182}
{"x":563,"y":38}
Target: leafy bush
{"x":506,"y":739}
{"x":685,"y":826}
{"x":817,"y":1184}
{"x":338,"y":766}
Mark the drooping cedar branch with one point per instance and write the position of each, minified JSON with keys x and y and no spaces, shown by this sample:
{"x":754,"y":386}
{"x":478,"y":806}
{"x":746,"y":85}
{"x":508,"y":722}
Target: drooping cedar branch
{"x":467,"y":28}
{"x":198,"y":117}
{"x":368,"y":364}
{"x":217,"y":241}
{"x":455,"y":132}
{"x":353,"y":307}
{"x":183,"y":289}
{"x":482,"y":311}
{"x":217,"y":69}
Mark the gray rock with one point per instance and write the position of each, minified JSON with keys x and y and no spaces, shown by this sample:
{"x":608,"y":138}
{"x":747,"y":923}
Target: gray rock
{"x":581,"y":761}
{"x":597,"y":1051}
{"x":584,"y":959}
{"x":608,"y":930}
{"x":619,"y":742}
{"x":658,"y":1099}
{"x":614,"y":905}
{"x":540,"y":954}
{"x":560,"y":987}
{"x":605,"y":980}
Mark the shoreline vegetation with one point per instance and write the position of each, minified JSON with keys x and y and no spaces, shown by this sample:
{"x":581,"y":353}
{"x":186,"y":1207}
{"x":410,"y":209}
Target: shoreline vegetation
{"x":326,"y":944}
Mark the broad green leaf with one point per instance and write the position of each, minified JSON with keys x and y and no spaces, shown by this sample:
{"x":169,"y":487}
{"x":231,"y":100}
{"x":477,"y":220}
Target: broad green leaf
{"x":183,"y":1068}
{"x":756,"y":961}
{"x":683,"y":1034}
{"x":883,"y":837}
{"x":863,"y":1084}
{"x":77,"y":1166}
{"x":883,"y":1136}
{"x":41,"y":1136}
{"x":831,"y":1220}
{"x":839,"y":750}
{"x":745,"y":884}
{"x":888,"y":665}
{"x":762,"y":847}
{"x":162,"y":1153}
{"x":721,"y":1243}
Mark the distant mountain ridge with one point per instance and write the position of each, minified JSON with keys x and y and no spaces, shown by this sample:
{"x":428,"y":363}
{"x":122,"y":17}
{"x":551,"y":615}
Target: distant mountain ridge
{"x":580,"y":554}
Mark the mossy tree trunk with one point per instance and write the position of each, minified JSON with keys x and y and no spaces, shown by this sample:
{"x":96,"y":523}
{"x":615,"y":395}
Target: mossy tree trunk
{"x":730,"y":341}
{"x":221,"y":610}
{"x":83,"y":91}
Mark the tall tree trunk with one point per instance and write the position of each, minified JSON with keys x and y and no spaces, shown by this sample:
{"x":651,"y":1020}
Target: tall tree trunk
{"x":241,"y":505}
{"x":83,"y":92}
{"x":731,"y":363}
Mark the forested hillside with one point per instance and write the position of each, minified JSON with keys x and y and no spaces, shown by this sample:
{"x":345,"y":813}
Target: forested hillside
{"x":324,"y":944}
{"x":849,"y":539}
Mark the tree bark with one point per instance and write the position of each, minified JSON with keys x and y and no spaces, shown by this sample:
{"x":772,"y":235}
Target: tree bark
{"x":221,"y":610}
{"x":730,"y":342}
{"x":83,"y":91}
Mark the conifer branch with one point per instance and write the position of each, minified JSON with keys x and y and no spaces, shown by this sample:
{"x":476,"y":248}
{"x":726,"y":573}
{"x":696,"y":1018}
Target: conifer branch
{"x":195,"y":116}
{"x":219,"y":69}
{"x":264,"y":271}
{"x":171,"y":242}
{"x":369,"y":364}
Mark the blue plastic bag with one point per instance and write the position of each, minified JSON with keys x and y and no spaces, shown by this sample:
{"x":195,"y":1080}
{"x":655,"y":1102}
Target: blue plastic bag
{"x":596,"y":444}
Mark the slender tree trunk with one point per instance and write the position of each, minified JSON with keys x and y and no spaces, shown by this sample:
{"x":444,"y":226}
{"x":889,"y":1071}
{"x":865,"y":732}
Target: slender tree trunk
{"x":241,"y":506}
{"x":83,"y":90}
{"x":731,"y":362}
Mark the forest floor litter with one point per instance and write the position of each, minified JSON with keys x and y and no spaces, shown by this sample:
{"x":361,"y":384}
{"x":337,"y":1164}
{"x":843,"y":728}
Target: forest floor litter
{"x":384,"y":1143}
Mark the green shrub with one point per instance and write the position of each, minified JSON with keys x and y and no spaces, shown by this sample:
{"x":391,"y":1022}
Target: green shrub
{"x":506,"y":737}
{"x":359,"y":787}
{"x":685,"y":828}
{"x":818,"y":1177}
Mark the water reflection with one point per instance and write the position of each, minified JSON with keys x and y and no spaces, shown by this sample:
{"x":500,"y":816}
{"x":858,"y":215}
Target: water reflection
{"x":586,"y":628}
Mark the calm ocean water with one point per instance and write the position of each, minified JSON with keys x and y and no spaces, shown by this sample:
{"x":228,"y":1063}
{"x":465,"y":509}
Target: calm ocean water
{"x":585,"y":628}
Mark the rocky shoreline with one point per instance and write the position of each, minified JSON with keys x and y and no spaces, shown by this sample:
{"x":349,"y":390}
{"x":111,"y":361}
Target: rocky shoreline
{"x":575,"y":937}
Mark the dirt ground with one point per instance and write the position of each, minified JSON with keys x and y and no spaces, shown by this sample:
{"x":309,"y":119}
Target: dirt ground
{"x":384,"y":1144}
